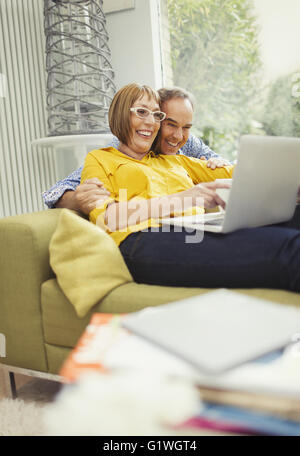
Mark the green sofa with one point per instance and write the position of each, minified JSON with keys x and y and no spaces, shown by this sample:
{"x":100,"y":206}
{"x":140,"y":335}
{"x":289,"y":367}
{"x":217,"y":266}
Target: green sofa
{"x":39,"y":323}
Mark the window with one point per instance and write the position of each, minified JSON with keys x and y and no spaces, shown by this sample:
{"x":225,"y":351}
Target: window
{"x":222,"y":52}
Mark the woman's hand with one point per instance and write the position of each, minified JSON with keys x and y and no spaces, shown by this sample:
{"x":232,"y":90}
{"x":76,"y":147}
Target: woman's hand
{"x":216,"y":162}
{"x":123,"y":214}
{"x":207,"y":191}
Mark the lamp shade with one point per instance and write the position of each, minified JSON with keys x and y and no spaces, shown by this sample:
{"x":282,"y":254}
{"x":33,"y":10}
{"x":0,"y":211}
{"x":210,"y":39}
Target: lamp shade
{"x":80,"y":78}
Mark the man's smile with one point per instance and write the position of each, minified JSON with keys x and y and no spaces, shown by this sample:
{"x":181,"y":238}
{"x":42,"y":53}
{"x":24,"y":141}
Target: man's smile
{"x":172,"y":144}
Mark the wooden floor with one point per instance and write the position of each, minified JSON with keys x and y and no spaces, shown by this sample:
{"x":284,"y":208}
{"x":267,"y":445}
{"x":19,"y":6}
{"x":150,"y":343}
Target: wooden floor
{"x":29,"y":388}
{"x":20,"y":380}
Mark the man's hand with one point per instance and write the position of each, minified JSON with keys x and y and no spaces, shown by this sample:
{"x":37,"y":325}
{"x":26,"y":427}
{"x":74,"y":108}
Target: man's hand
{"x":216,"y":162}
{"x":88,"y":195}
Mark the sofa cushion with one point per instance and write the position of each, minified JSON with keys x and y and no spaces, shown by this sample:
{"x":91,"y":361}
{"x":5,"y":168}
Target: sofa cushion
{"x":62,"y":327}
{"x":24,"y":266}
{"x":86,"y":261}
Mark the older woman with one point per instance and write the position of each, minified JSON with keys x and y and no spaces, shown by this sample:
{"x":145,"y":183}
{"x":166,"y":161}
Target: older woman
{"x":176,"y":138}
{"x":144,"y":186}
{"x":160,"y":184}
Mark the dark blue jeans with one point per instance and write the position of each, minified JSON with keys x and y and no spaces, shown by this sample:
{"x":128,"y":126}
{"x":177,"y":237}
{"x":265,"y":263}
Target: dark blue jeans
{"x":265,"y":257}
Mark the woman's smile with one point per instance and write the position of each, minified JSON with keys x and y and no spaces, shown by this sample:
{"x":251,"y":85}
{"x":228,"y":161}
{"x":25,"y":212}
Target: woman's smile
{"x":143,"y":131}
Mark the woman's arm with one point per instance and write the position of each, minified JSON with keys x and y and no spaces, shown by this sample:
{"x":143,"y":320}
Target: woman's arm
{"x":200,"y":172}
{"x":117,"y":212}
{"x":120,"y":215}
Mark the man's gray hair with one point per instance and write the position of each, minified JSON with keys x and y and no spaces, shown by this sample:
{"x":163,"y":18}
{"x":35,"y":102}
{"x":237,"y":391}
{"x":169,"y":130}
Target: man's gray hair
{"x":168,"y":93}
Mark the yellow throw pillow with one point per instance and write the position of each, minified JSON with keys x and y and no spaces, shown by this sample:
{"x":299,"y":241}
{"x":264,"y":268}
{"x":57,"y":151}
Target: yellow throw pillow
{"x":87,"y":262}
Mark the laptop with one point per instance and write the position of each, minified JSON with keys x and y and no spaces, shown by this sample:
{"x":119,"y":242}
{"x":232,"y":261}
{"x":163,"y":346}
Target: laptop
{"x":263,"y":190}
{"x":217,"y":331}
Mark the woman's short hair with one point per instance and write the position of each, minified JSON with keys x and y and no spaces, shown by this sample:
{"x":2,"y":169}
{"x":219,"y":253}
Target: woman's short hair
{"x":119,"y":111}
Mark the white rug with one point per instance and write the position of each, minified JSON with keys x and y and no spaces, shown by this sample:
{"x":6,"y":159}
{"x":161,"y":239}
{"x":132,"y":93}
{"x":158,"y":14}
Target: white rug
{"x":112,"y":405}
{"x":24,"y":416}
{"x":20,"y":418}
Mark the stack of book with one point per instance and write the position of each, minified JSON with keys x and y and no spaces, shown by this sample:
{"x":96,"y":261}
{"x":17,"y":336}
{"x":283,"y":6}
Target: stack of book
{"x":248,"y":413}
{"x":251,"y":399}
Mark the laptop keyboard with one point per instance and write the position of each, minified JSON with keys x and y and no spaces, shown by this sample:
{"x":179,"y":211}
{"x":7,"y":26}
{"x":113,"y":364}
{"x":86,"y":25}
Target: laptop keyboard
{"x":217,"y":222}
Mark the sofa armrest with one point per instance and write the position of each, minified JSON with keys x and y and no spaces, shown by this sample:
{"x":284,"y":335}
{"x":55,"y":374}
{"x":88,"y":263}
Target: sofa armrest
{"x":24,"y":266}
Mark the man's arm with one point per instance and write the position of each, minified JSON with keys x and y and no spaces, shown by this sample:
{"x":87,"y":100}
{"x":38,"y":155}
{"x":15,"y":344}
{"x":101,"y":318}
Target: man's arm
{"x":70,"y":183}
{"x":88,"y":195}
{"x":195,"y":147}
{"x":70,"y":194}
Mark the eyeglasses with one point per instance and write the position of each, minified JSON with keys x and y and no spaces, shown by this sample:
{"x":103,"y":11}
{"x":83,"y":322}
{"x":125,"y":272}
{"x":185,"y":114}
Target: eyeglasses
{"x":143,"y":113}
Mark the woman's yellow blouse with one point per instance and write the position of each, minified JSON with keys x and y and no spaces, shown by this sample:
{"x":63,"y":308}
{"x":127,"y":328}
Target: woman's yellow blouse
{"x":153,"y":176}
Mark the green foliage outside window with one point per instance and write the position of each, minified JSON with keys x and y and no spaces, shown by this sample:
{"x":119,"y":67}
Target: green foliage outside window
{"x":215,"y":55}
{"x":280,"y":115}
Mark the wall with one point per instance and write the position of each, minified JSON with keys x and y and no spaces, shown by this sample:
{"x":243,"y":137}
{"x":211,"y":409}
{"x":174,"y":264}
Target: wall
{"x":24,"y":173}
{"x":135,"y":42}
{"x":167,"y":72}
{"x":110,"y":6}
